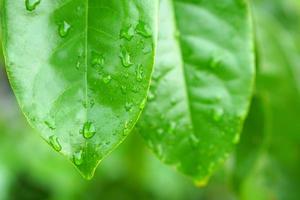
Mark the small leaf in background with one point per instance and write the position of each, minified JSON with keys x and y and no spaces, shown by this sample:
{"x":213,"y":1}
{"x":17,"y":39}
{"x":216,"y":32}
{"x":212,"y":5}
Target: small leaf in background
{"x":68,"y":63}
{"x":202,"y":84}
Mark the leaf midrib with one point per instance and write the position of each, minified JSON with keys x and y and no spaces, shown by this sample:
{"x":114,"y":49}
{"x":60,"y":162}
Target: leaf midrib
{"x":177,"y":40}
{"x":86,"y":56}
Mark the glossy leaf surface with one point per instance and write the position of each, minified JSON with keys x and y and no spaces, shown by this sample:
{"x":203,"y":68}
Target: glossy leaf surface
{"x":80,"y":70}
{"x":202,"y":84}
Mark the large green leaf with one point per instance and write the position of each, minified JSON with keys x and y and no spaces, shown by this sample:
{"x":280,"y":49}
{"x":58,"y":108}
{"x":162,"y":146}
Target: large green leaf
{"x":276,"y":172}
{"x":202,"y":83}
{"x":80,"y":70}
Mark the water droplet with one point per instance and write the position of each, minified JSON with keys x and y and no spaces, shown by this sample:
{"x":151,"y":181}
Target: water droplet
{"x":32,"y":4}
{"x":218,"y":114}
{"x":139,"y":73}
{"x":53,"y":140}
{"x":135,"y":89}
{"x":64,"y":29}
{"x":127,"y":33}
{"x":78,"y":65}
{"x":84,"y":104}
{"x":88,"y":103}
{"x":142,"y":105}
{"x":50,"y":124}
{"x":143,"y":29}
{"x":128,"y":106}
{"x":92,"y":103}
{"x":125,"y":57}
{"x":98,"y":60}
{"x":78,"y":158}
{"x":147,"y":49}
{"x":126,"y":75}
{"x":107,"y":79}
{"x":88,"y":130}
{"x":124,"y":89}
{"x":126,"y":128}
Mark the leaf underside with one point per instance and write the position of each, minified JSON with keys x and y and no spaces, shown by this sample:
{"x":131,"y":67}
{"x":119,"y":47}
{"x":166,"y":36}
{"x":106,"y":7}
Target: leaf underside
{"x":80,"y":70}
{"x":202,"y":84}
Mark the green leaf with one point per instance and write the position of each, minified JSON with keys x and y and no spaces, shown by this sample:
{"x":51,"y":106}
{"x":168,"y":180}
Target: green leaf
{"x":202,"y":84}
{"x":80,"y":70}
{"x":275,"y":174}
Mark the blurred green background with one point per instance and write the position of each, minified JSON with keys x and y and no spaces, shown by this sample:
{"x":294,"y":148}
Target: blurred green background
{"x":265,"y":165}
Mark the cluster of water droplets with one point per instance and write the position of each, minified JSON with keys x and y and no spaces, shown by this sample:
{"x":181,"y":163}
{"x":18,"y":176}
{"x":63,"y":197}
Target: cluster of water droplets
{"x":88,"y":129}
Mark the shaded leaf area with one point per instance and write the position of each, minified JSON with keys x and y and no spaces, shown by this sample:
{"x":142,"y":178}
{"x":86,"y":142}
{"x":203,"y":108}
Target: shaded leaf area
{"x":202,"y":84}
{"x":80,"y":70}
{"x":274,"y":172}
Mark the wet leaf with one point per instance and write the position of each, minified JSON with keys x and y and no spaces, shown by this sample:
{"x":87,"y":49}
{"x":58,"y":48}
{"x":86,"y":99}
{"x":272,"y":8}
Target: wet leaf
{"x":202,"y":84}
{"x":64,"y":65}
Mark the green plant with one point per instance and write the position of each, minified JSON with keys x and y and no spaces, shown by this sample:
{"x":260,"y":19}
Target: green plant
{"x":81,"y":71}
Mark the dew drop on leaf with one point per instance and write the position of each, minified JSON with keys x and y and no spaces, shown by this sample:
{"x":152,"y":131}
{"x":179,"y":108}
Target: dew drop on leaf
{"x":139,"y":73}
{"x":78,"y":158}
{"x":32,"y":4}
{"x":107,"y":79}
{"x":124,"y":89}
{"x":64,"y":28}
{"x":147,"y":49}
{"x":53,"y":140}
{"x":142,"y":105}
{"x":126,"y":128}
{"x":135,"y":89}
{"x":50,"y":124}
{"x":127,"y":33}
{"x":88,"y":131}
{"x":128,"y":106}
{"x":98,"y":60}
{"x":125,"y":57}
{"x":143,"y":29}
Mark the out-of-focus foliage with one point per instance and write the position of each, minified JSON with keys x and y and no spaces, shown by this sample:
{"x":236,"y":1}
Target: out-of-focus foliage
{"x":268,"y":160}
